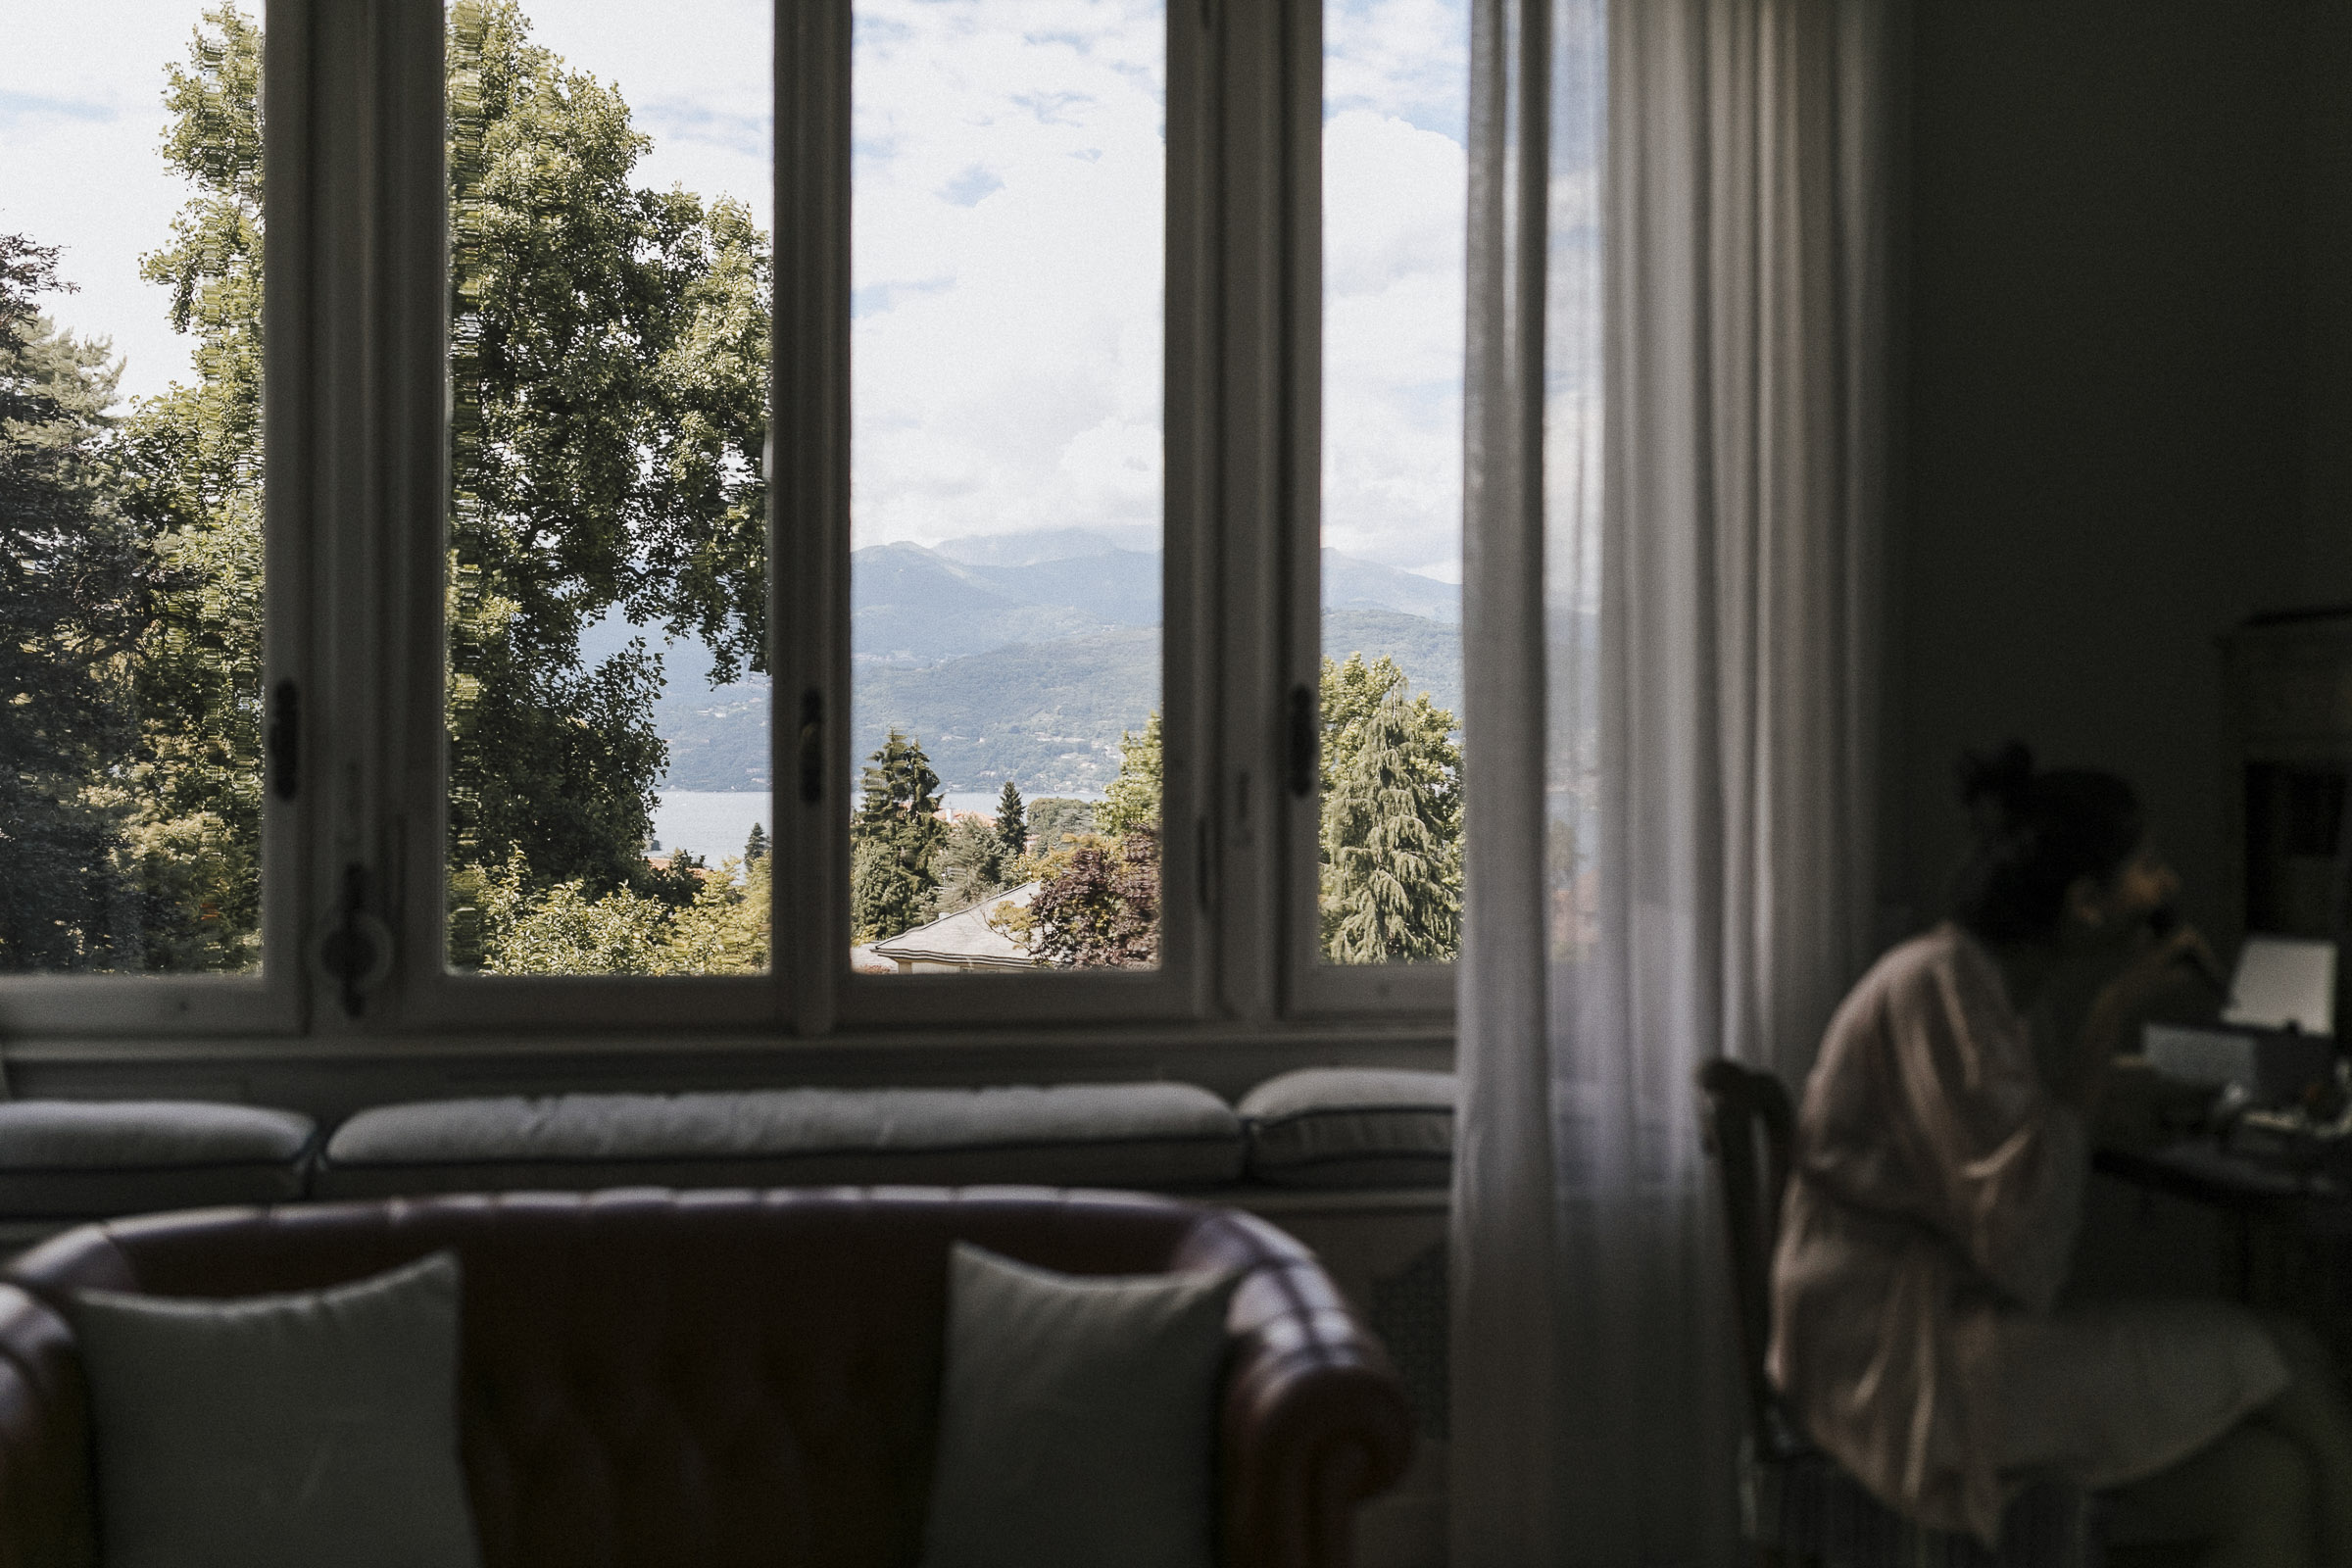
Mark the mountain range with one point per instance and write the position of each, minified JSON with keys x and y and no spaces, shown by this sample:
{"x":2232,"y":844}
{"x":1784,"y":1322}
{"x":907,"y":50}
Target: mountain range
{"x":1018,"y":656}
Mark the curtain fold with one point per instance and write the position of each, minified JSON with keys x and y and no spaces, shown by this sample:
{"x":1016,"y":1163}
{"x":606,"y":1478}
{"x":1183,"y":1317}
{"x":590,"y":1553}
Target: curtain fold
{"x":1674,"y":512}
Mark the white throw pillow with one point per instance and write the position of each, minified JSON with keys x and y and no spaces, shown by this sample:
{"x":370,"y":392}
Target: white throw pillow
{"x":280,"y":1431}
{"x":1078,"y":1426}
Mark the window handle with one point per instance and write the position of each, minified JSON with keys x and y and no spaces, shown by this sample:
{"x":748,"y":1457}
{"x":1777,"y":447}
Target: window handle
{"x":357,"y":950}
{"x":284,"y":740}
{"x":812,"y":746}
{"x":1306,"y":743}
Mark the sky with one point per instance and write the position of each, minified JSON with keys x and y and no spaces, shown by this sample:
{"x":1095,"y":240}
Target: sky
{"x":1007,"y":235}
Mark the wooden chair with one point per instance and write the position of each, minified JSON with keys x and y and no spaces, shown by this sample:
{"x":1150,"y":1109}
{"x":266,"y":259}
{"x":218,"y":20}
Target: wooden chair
{"x":1797,"y":1505}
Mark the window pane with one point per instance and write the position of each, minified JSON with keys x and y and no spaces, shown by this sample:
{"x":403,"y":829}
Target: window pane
{"x":609,"y":204}
{"x":131,"y":488}
{"x":1008,"y":272}
{"x":1396,"y":95}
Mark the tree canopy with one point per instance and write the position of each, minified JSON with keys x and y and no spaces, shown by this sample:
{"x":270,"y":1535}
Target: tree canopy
{"x":609,"y":367}
{"x":894,"y":842}
{"x":1391,"y":818}
{"x":66,"y":570}
{"x":608,"y":364}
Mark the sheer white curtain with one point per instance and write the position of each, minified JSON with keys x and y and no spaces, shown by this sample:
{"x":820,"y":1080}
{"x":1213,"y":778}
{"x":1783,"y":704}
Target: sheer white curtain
{"x":1679,"y":210}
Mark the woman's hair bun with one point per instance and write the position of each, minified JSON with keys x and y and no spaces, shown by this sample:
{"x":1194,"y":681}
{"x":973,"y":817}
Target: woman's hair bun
{"x":1997,"y":787}
{"x":2034,"y":834}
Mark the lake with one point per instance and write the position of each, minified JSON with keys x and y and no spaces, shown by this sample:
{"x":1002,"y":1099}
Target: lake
{"x":714,"y":824}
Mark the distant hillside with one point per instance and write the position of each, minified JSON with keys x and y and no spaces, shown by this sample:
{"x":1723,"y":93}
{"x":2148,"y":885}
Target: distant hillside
{"x":718,"y":739}
{"x":916,"y":606}
{"x":1352,"y":584}
{"x":1049,"y":716}
{"x":1024,"y":666}
{"x":1030,"y":546}
{"x":1429,"y":652}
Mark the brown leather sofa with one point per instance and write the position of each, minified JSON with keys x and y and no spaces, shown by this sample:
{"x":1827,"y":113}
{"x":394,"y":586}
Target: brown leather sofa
{"x":711,"y":1378}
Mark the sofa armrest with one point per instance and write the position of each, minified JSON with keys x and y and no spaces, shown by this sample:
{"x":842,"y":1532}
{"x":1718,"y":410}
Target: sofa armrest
{"x":1314,"y":1422}
{"x":46,"y":1507}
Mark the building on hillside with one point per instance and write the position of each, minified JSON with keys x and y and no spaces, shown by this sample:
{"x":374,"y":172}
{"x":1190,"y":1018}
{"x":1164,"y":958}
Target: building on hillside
{"x":962,"y":941}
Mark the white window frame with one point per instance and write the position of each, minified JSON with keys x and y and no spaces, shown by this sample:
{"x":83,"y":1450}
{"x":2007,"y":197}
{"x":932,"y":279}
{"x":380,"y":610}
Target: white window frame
{"x":1313,"y":987}
{"x":271,"y":1003}
{"x":357,"y":448}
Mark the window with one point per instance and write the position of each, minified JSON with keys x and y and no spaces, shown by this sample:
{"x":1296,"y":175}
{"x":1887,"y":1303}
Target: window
{"x":1007,"y":285}
{"x":845,"y":547}
{"x":1395,"y":177}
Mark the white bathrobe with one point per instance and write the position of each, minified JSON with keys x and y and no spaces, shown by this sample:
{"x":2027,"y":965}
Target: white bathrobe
{"x":1931,"y":1207}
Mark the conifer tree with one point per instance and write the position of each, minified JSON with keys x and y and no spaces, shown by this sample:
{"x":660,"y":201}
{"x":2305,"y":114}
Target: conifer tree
{"x":1392,"y":879}
{"x":68,"y":570}
{"x":1012,"y":823}
{"x":894,"y":840}
{"x":755,"y":847}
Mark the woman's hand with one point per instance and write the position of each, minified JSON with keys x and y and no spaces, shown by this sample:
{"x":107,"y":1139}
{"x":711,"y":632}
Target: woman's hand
{"x":2157,"y":964}
{"x":2162,"y":963}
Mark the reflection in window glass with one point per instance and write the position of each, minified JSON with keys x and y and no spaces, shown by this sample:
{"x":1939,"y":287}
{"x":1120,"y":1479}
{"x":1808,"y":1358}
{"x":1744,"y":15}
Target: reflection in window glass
{"x":608,"y":712}
{"x":1006,"y":435}
{"x":130,"y":489}
{"x":1396,"y":93}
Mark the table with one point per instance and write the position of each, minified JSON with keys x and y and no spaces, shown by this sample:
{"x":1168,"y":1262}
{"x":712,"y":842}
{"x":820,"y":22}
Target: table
{"x":2291,"y":1230}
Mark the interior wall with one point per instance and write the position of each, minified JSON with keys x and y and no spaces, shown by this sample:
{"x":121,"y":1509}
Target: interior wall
{"x":2324,"y":568}
{"x":2106,"y":421}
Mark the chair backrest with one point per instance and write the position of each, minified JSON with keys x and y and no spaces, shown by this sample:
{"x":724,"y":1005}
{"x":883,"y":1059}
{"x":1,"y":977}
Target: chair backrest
{"x":1739,"y":1103}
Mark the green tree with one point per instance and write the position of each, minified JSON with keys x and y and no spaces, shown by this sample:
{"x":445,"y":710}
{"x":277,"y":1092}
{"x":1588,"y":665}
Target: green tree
{"x":725,"y":930}
{"x":754,"y":846}
{"x":1098,"y":900}
{"x":67,"y":568}
{"x":1352,"y":691}
{"x":1392,"y":875}
{"x":189,"y":480}
{"x":565,"y":929}
{"x":894,"y":840}
{"x":609,"y":355}
{"x":1012,"y":824}
{"x":1055,"y":818}
{"x":972,"y":865}
{"x":1133,"y":800}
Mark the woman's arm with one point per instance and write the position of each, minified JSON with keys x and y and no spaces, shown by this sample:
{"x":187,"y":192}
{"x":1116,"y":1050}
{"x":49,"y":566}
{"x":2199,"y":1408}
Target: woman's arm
{"x":2121,"y":1001}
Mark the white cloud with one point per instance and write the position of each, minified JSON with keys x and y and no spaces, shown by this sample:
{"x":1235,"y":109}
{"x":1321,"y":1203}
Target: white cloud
{"x":1406,"y":58}
{"x":1006,"y":245}
{"x":1393,"y":199}
{"x":1006,"y":249}
{"x":699,"y":77}
{"x":80,"y":115}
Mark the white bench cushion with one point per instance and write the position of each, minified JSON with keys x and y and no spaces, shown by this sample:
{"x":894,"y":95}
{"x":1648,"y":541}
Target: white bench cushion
{"x":1151,"y":1135}
{"x":1357,"y":1127}
{"x":76,"y":1159}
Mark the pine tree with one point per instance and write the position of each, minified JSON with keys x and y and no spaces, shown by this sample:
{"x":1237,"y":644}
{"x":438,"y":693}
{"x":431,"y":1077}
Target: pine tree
{"x":894,"y":842}
{"x":755,"y":847}
{"x":970,"y":864}
{"x":68,"y":576}
{"x":1391,"y":880}
{"x":1012,"y":823}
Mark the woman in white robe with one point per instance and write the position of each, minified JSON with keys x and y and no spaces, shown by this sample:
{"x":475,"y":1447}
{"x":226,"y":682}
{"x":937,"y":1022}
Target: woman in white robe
{"x":1936,"y":1190}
